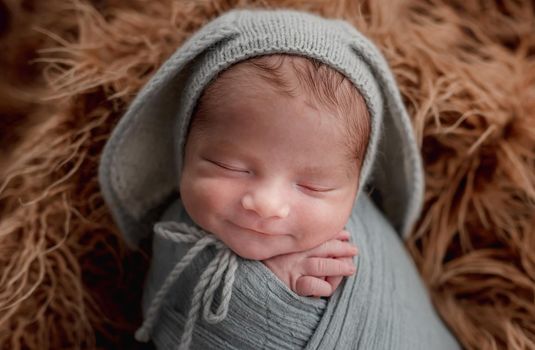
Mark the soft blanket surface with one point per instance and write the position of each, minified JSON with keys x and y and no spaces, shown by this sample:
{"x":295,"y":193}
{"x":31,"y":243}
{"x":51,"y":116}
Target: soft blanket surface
{"x":467,"y":74}
{"x":383,"y":306}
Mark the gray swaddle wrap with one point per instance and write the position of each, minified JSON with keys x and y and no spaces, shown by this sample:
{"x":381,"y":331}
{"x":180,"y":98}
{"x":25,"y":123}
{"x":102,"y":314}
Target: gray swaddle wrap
{"x":383,"y":306}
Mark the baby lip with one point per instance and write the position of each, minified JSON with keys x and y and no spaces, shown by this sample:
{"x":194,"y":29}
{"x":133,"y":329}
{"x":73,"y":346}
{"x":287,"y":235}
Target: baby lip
{"x":257,"y":231}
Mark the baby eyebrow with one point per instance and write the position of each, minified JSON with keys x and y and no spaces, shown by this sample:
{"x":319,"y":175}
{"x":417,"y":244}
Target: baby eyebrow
{"x":328,"y":172}
{"x":319,"y":171}
{"x":230,"y":147}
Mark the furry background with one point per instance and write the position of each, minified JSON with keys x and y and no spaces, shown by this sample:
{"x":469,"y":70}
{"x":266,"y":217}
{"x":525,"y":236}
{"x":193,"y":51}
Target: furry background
{"x":69,"y":68}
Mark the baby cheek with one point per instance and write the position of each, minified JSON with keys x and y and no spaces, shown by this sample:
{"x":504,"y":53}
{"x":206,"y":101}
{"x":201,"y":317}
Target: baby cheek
{"x":316,"y":224}
{"x":202,"y":194}
{"x":214,"y":195}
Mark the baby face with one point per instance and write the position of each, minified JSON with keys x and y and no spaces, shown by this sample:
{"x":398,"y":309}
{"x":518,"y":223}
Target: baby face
{"x":268,"y":174}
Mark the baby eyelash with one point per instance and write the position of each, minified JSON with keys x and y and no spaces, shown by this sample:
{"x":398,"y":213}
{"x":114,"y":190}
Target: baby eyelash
{"x":315,"y":189}
{"x":224,"y":166}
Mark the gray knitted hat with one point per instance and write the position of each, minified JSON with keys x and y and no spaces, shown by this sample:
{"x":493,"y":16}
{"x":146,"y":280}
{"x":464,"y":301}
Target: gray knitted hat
{"x":141,"y":164}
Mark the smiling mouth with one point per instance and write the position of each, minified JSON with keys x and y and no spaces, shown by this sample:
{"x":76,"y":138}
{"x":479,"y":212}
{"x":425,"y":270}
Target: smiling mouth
{"x":256,"y":231}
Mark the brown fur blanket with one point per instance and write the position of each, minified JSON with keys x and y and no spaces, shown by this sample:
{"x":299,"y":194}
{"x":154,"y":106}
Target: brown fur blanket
{"x":69,"y":68}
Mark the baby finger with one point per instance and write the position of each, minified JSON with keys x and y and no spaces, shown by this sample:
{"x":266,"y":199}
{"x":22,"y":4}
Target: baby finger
{"x":323,"y":267}
{"x":335,"y":248}
{"x":312,"y":286}
{"x":342,"y":236}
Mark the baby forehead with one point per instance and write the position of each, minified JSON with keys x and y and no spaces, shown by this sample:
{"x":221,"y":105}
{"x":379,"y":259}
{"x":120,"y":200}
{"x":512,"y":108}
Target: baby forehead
{"x":270,"y":77}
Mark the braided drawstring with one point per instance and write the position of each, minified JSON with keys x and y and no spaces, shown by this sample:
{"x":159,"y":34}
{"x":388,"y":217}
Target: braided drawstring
{"x":222,"y":268}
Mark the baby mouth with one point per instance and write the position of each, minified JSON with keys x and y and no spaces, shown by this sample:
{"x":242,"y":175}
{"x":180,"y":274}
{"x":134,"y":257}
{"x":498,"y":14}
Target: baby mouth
{"x":257,"y":231}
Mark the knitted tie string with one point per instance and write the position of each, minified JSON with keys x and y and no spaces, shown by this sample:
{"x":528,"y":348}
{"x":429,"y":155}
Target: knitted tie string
{"x":221,"y":269}
{"x":227,"y":265}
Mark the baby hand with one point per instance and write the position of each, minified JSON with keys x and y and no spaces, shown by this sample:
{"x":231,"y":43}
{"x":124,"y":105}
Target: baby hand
{"x":317,"y":271}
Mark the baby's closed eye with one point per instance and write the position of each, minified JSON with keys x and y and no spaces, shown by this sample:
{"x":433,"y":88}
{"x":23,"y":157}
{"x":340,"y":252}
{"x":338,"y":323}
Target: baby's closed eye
{"x":229,"y":167}
{"x":315,"y":188}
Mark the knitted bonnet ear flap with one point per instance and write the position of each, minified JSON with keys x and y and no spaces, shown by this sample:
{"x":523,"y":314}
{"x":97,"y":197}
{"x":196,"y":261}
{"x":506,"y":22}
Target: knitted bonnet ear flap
{"x":397,"y":171}
{"x":138,"y":166}
{"x":396,"y":174}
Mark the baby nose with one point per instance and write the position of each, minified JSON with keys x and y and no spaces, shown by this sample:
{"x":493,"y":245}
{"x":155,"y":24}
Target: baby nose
{"x":267,"y":204}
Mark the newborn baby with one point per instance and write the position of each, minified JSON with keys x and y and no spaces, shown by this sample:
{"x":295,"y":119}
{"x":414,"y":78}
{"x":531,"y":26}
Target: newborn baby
{"x":247,"y":155}
{"x":272,"y":164}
